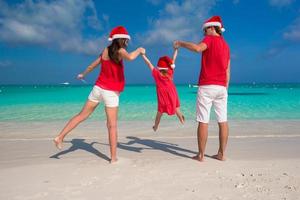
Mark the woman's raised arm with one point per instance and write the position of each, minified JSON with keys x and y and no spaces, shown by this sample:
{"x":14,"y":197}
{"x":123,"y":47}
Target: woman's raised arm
{"x":133,"y":55}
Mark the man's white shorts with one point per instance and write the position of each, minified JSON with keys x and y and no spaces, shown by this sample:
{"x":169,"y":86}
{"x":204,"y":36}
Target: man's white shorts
{"x":209,"y":95}
{"x":110,"y":98}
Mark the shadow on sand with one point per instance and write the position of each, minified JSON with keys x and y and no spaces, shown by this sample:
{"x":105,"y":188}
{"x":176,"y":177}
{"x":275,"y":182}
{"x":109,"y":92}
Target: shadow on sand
{"x":146,"y":144}
{"x":155,"y":145}
{"x":80,"y":144}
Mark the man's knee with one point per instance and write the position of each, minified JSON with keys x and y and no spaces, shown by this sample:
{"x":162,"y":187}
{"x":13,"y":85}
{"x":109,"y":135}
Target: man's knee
{"x":223,"y":124}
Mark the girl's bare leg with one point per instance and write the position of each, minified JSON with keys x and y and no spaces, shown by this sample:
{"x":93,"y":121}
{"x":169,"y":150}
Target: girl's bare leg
{"x":112,"y":118}
{"x":87,"y":109}
{"x":157,"y":120}
{"x":180,"y":115}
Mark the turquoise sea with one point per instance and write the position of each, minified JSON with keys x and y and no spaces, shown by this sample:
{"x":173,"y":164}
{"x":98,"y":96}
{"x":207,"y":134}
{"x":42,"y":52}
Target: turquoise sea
{"x":138,"y":102}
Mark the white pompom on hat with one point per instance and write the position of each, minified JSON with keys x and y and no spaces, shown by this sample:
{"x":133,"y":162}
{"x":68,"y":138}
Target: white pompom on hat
{"x":118,"y":32}
{"x":165,"y":63}
{"x":214,"y":21}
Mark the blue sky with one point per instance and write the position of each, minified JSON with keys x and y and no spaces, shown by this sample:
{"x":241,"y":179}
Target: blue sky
{"x":50,"y":42}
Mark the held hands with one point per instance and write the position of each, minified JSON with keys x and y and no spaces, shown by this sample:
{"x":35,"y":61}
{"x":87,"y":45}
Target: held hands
{"x":176,"y":44}
{"x":142,"y":50}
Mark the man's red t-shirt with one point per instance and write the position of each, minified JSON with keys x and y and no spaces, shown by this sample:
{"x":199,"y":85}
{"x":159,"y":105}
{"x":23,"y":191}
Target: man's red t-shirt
{"x":214,"y":62}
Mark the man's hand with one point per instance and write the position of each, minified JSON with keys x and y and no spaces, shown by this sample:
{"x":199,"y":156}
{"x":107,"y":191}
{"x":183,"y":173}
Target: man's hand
{"x":176,"y":44}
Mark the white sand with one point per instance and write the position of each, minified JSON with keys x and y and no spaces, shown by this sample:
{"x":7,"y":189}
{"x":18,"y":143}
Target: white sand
{"x":263,"y":162}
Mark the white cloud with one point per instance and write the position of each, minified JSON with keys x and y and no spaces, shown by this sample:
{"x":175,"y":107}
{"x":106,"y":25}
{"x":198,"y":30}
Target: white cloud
{"x":236,"y":1}
{"x":178,"y":20}
{"x":280,"y":3}
{"x":5,"y":63}
{"x":154,"y":2}
{"x":290,"y":37}
{"x":59,"y":24}
{"x":293,"y":31}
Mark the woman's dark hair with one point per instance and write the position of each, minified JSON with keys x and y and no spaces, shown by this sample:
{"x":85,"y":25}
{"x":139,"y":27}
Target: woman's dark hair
{"x":114,"y":47}
{"x":218,"y":30}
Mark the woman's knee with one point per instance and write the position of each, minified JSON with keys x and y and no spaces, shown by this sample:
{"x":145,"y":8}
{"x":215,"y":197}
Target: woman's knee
{"x":82,"y":116}
{"x":111,"y":125}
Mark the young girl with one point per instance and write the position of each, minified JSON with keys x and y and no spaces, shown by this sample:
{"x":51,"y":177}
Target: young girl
{"x":108,"y":86}
{"x":167,"y":97}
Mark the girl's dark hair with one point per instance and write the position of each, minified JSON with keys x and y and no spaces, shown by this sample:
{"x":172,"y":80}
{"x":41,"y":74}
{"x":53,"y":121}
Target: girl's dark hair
{"x":218,"y":30}
{"x":113,"y":48}
{"x":165,"y":73}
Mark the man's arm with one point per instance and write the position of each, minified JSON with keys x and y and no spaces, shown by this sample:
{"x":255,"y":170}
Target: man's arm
{"x":190,"y":46}
{"x":228,"y":75}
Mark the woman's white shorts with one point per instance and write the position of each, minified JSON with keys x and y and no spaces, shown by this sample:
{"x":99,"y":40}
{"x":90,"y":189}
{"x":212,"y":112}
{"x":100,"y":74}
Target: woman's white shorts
{"x":209,"y":95}
{"x":110,"y":98}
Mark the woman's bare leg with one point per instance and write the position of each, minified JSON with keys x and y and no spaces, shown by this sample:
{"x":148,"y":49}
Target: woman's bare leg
{"x":180,"y":115}
{"x":157,"y":120}
{"x":112,"y":118}
{"x":87,"y":109}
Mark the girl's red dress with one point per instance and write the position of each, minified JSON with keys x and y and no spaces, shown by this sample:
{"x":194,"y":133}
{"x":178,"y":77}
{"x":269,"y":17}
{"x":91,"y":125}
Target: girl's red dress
{"x":167,"y":96}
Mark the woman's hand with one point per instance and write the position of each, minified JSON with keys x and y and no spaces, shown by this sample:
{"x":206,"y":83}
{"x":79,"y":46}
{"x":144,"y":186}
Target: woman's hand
{"x":80,"y":76}
{"x":142,"y":50}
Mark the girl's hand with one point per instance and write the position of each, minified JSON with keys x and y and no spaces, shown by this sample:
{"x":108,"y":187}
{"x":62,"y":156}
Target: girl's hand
{"x":80,"y":76}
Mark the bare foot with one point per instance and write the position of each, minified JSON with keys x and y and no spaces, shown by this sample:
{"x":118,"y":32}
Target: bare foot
{"x":112,"y":161}
{"x":219,"y":156}
{"x":154,"y":128}
{"x":58,"y":143}
{"x":198,"y":158}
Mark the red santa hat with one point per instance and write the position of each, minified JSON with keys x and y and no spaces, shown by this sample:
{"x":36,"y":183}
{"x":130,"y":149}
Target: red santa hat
{"x":165,"y":63}
{"x":118,"y":32}
{"x":214,"y":21}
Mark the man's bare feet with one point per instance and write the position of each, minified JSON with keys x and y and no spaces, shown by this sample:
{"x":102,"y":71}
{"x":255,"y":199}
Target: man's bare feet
{"x":58,"y":142}
{"x":219,"y":156}
{"x":154,"y":128}
{"x":198,"y":158}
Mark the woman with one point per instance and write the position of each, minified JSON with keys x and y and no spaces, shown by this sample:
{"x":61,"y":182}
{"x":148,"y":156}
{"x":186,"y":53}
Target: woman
{"x":107,"y":88}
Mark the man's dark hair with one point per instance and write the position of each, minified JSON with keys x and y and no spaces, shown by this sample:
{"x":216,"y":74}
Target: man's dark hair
{"x":218,"y":30}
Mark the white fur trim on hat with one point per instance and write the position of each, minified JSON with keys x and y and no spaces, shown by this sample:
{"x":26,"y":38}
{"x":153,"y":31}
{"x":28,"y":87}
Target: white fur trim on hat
{"x":208,"y":24}
{"x":173,"y":66}
{"x":162,"y":68}
{"x":116,"y":36}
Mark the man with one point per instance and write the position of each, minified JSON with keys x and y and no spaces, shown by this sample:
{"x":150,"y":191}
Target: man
{"x":213,"y":83}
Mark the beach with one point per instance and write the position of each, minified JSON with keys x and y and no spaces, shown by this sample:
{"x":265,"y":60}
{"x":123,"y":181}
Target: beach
{"x":263,"y":161}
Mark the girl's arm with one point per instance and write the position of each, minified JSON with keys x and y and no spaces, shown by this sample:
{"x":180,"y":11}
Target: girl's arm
{"x":147,"y":61}
{"x":90,"y":68}
{"x":131,"y":56}
{"x":175,"y":55}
